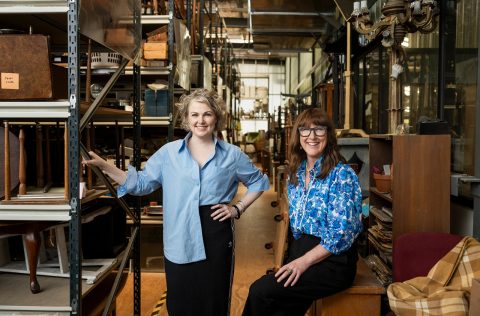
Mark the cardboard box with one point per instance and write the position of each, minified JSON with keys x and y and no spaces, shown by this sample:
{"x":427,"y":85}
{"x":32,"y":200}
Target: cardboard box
{"x":25,"y":72}
{"x":475,"y":298}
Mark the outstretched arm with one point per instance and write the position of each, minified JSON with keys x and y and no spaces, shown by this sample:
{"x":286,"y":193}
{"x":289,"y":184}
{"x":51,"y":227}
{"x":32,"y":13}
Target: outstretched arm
{"x":112,"y":171}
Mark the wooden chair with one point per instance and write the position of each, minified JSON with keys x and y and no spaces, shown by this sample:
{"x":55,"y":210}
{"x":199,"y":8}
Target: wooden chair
{"x":13,"y":173}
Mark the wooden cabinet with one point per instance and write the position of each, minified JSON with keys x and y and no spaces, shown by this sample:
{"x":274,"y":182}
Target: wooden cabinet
{"x":419,"y":199}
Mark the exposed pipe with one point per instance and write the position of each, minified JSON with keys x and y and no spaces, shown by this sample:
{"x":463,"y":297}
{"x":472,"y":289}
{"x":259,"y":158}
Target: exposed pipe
{"x":348,"y":82}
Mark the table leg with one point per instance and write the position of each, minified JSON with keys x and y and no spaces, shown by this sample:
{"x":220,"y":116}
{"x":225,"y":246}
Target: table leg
{"x":32,"y":241}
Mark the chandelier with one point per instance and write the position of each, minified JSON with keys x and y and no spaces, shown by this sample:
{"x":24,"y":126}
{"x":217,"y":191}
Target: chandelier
{"x":399,"y":17}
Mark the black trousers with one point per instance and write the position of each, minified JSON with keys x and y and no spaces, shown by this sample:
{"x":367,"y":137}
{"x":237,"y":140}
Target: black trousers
{"x":267,"y":297}
{"x":203,"y":288}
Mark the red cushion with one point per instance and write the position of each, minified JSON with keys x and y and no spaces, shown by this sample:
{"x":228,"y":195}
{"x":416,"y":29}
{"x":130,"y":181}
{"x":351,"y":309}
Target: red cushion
{"x":414,"y":254}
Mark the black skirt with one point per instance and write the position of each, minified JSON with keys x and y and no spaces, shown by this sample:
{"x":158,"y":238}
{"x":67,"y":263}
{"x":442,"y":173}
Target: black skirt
{"x":203,"y":288}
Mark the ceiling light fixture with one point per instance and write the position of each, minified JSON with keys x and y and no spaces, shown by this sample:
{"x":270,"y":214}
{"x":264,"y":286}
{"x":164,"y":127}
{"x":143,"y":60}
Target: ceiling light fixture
{"x":399,"y":17}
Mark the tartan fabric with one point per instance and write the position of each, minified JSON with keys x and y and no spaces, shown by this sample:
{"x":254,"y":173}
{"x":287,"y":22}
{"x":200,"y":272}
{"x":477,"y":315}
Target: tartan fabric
{"x":446,"y":288}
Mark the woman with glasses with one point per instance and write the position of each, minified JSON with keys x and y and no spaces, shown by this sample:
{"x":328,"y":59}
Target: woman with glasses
{"x":324,"y":198}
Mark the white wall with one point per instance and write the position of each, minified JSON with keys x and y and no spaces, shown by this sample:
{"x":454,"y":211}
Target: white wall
{"x":260,"y":75}
{"x":299,"y":71}
{"x":253,"y":126}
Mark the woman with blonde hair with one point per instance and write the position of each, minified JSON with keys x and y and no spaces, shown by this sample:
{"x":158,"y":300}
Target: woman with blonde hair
{"x":199,"y":176}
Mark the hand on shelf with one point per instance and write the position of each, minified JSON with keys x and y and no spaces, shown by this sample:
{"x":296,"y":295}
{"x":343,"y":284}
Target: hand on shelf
{"x":112,"y":171}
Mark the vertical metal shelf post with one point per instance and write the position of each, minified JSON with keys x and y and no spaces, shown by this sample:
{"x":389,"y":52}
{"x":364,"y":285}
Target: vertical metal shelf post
{"x":75,"y":260}
{"x":189,"y":16}
{"x":210,"y":26}
{"x":201,"y":47}
{"x":137,"y":92}
{"x":215,"y":56}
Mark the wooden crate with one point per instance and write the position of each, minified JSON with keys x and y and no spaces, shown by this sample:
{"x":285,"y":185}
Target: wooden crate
{"x":155,"y":50}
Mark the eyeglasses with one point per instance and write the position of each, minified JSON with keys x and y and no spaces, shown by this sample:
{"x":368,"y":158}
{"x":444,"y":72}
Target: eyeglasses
{"x":319,"y":131}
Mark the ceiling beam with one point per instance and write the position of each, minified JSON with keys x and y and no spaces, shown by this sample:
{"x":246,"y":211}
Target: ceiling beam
{"x":287,"y":31}
{"x":292,"y":13}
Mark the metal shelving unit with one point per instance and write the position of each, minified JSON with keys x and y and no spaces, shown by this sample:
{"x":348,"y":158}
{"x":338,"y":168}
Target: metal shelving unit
{"x":68,"y":113}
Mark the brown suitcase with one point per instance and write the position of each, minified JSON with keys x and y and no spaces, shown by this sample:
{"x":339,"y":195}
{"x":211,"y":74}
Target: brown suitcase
{"x":24,"y":67}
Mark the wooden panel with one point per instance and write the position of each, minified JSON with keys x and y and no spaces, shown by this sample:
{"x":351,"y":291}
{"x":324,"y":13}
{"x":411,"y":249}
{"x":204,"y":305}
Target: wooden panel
{"x":349,"y":305}
{"x":380,"y":153}
{"x":11,"y":153}
{"x":362,"y":298}
{"x":421,"y":183}
{"x":280,"y":243}
{"x":365,"y":281}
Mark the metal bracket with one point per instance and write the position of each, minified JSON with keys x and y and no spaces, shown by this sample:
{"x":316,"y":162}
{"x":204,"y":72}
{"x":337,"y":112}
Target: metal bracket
{"x":458,"y":179}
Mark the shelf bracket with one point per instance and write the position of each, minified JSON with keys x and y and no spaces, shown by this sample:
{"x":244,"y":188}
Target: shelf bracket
{"x":458,"y":179}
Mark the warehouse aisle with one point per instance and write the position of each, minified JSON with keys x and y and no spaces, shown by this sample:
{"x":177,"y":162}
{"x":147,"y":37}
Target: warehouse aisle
{"x":255,"y":228}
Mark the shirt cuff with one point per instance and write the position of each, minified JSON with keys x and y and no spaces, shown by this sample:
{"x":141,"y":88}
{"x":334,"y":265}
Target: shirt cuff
{"x":130,"y":182}
{"x":330,"y":248}
{"x":262,"y":184}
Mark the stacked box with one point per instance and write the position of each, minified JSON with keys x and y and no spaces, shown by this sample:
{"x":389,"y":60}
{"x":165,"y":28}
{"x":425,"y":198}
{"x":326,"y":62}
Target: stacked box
{"x":156,"y":103}
{"x":155,"y":50}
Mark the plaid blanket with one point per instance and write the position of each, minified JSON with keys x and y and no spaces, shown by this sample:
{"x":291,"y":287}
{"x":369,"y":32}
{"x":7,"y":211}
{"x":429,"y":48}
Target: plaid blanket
{"x":446,"y":289}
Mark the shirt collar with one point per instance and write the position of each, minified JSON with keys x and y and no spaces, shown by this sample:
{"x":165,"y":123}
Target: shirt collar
{"x":183,"y":144}
{"x":316,"y":167}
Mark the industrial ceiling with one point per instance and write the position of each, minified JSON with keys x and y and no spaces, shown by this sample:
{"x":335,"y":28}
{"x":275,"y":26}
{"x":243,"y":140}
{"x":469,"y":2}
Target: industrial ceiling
{"x":279,"y":28}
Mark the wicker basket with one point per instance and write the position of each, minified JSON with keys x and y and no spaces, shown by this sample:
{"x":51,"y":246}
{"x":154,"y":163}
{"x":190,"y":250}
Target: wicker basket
{"x":104,"y":60}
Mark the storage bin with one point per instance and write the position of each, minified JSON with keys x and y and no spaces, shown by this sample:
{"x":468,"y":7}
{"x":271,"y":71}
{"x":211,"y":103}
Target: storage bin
{"x":156,"y":103}
{"x":383,"y":182}
{"x":105,"y":60}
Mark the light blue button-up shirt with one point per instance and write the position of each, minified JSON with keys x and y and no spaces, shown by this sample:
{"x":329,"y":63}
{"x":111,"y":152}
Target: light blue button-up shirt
{"x":186,"y":186}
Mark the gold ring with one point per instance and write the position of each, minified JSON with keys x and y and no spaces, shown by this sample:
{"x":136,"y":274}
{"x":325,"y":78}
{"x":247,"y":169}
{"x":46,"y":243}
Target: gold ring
{"x":290,"y":271}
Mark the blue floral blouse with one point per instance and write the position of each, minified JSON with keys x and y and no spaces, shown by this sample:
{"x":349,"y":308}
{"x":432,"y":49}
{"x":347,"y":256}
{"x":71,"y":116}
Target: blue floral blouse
{"x":328,"y":208}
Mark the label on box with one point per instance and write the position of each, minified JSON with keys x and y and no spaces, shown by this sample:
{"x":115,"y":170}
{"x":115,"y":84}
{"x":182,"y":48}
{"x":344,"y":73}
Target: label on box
{"x":9,"y":80}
